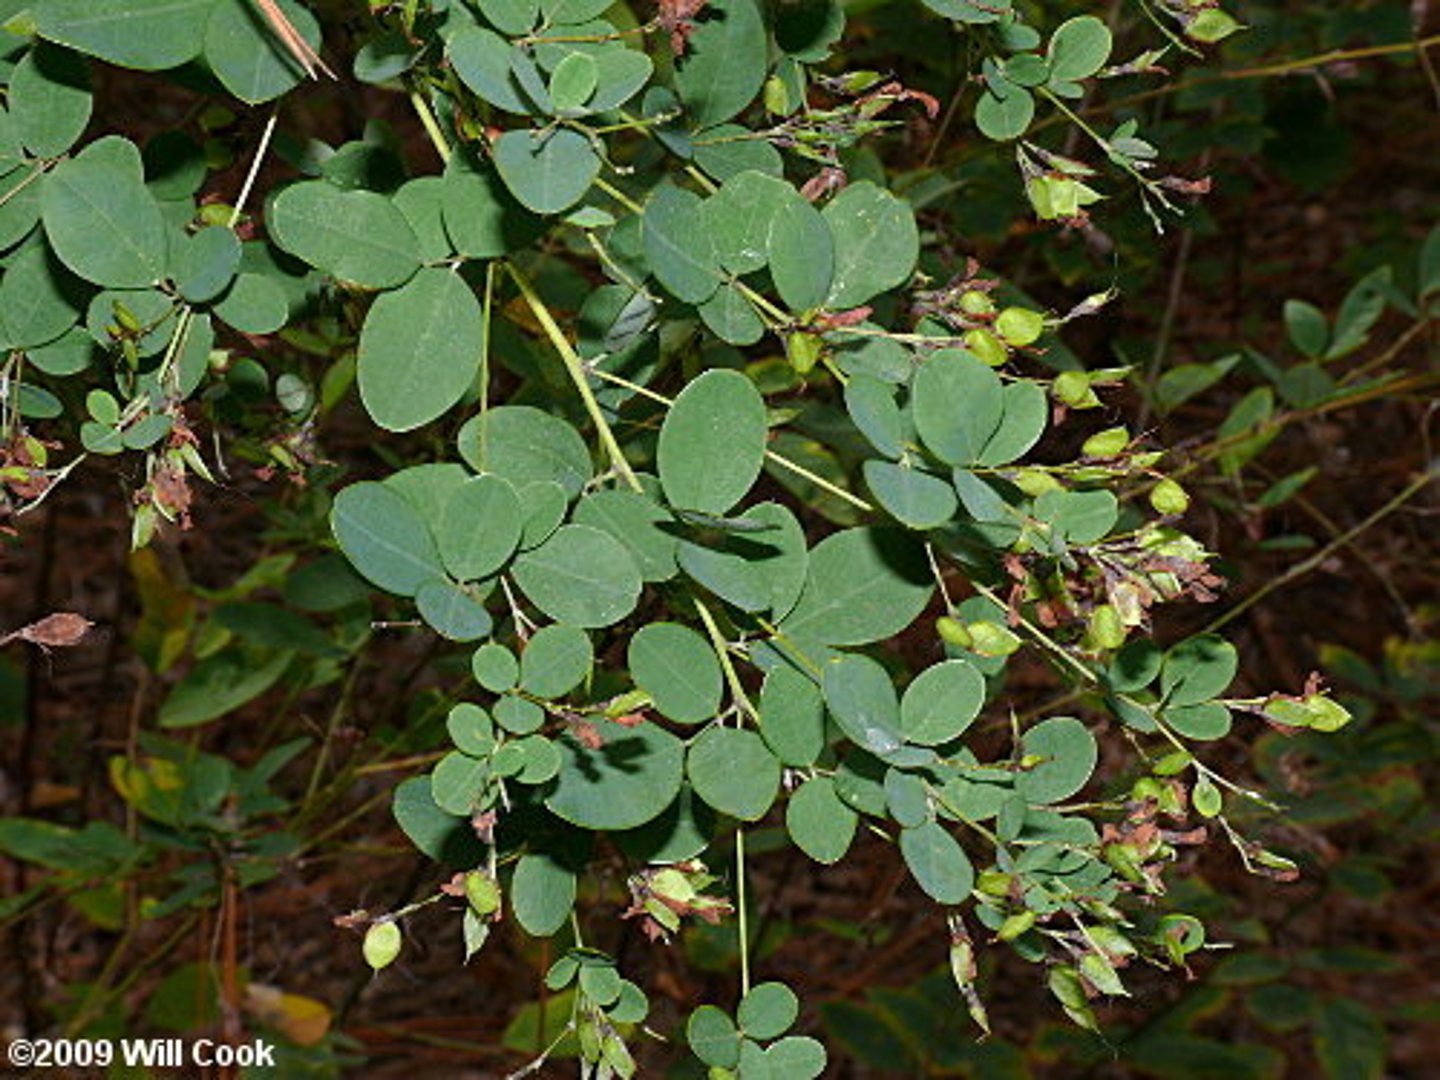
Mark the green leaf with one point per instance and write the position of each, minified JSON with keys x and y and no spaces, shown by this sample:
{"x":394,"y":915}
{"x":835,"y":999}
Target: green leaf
{"x":712,"y":443}
{"x":727,"y":150}
{"x":792,"y":717}
{"x":861,"y":697}
{"x":724,"y":63}
{"x":762,"y":570}
{"x":220,"y":684}
{"x":795,"y":1057}
{"x":556,"y":660}
{"x":1205,"y":721}
{"x":1078,"y":49}
{"x":1197,"y":670}
{"x":514,"y":17}
{"x":458,"y":783}
{"x":713,"y":1037}
{"x":632,"y":518}
{"x":542,"y":892}
{"x":205,"y":263}
{"x":682,"y":832}
{"x":941,"y":703}
{"x":862,"y":585}
{"x":419,"y":349}
{"x":384,"y":538}
{"x":495,"y":667}
{"x":1081,"y":517}
{"x":1350,"y":1040}
{"x":1064,"y":755}
{"x":738,"y":218}
{"x":356,"y":236}
{"x":573,"y":82}
{"x":732,"y":318}
{"x":547,"y":172}
{"x":801,"y":252}
{"x":938,"y":863}
{"x":1027,"y":411}
{"x":146,"y":34}
{"x":482,"y":218}
{"x":912,"y":496}
{"x":820,"y":824}
{"x":733,"y":771}
{"x":677,"y":244}
{"x":452,"y":612}
{"x":479,"y":527}
{"x":470,"y":728}
{"x":570,"y":12}
{"x":253,"y":304}
{"x":101,"y":219}
{"x":1003,"y":119}
{"x":248,"y":57}
{"x":49,"y":100}
{"x":1308,"y":329}
{"x":678,"y":669}
{"x":39,"y":299}
{"x":524,"y":446}
{"x":630,"y":779}
{"x":958,"y":403}
{"x":442,"y":836}
{"x":20,"y":210}
{"x":876,"y":244}
{"x":482,"y":60}
{"x":581,"y":576}
{"x":768,"y":1011}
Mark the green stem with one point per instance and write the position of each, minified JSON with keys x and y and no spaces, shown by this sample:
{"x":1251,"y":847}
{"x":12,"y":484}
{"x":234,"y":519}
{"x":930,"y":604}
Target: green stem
{"x":819,"y":481}
{"x":254,"y":170}
{"x":722,"y":653}
{"x":1300,"y":569}
{"x":576,"y":369}
{"x":430,"y":124}
{"x":742,"y":919}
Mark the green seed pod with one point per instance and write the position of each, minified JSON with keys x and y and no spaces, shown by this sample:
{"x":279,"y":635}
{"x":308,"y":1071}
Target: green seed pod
{"x":952,"y":631}
{"x":1106,"y":629}
{"x":1168,"y":497}
{"x":1147,"y":787}
{"x":1106,"y":444}
{"x":1211,"y":26}
{"x":1015,"y":925}
{"x":802,"y":350}
{"x":1020,"y":326}
{"x":382,"y":944}
{"x":1173,"y":763}
{"x":986,"y":346}
{"x":126,"y":318}
{"x":994,"y":882}
{"x":975,"y":302}
{"x":1072,"y":388}
{"x":992,"y":639}
{"x":483,"y":892}
{"x":1034,"y":482}
{"x":777,"y":98}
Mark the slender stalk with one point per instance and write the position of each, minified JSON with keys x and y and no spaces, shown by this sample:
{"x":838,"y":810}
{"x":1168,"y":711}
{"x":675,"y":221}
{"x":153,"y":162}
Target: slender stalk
{"x":254,"y":171}
{"x":742,"y":919}
{"x":576,"y":369}
{"x":1304,"y":567}
{"x":722,"y":653}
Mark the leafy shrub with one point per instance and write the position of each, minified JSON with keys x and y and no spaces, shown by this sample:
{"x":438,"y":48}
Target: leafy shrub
{"x":707,"y":413}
